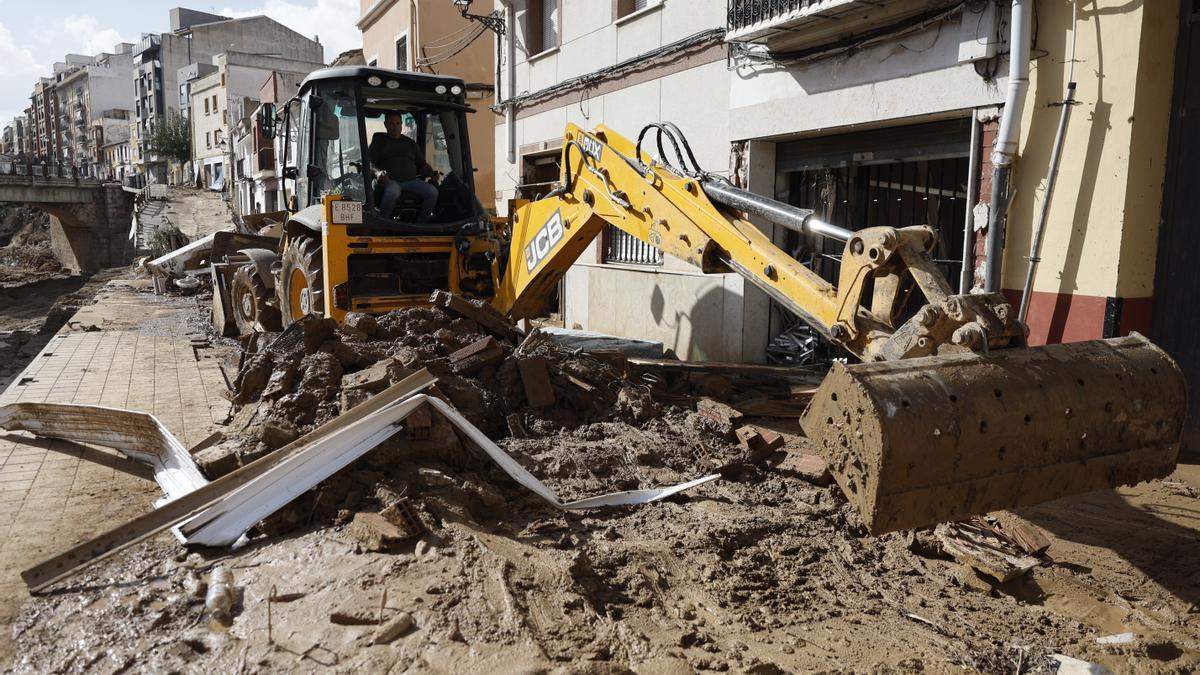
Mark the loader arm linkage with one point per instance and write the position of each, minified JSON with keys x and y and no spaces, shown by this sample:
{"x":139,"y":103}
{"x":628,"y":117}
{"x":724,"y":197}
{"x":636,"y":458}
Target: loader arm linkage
{"x":606,"y":185}
{"x":950,"y":415}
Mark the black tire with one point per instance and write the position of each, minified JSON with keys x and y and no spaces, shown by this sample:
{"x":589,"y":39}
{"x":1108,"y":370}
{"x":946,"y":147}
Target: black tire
{"x":300,"y":285}
{"x":250,"y":301}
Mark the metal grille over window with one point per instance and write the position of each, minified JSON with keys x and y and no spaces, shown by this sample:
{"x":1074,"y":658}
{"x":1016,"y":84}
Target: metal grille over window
{"x":620,"y":247}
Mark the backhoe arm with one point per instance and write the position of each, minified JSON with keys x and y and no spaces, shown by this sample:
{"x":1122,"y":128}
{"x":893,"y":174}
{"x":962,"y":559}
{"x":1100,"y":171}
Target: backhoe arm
{"x":608,"y":180}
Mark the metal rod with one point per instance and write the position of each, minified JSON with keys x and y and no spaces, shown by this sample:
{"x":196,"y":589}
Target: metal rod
{"x":967,"y":277}
{"x":1039,"y":229}
{"x":784,"y":215}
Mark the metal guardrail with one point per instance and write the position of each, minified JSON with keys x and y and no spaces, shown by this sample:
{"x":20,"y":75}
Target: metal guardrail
{"x":15,"y":167}
{"x":743,"y":13}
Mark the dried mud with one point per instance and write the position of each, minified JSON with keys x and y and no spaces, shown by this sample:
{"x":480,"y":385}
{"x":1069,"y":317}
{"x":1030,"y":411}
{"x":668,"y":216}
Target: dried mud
{"x":760,"y":572}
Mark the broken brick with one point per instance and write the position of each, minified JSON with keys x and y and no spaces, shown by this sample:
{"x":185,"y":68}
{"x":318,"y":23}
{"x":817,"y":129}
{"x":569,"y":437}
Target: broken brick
{"x":473,"y":357}
{"x":375,"y":532}
{"x":807,"y":467}
{"x":539,"y":392}
{"x":217,"y":460}
{"x":480,"y":312}
{"x":402,"y":514}
{"x":419,"y":424}
{"x":373,"y":379}
{"x":758,"y":441}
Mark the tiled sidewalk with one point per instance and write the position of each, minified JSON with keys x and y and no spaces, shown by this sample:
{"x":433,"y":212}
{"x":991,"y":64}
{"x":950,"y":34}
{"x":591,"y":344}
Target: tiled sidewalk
{"x":54,"y":494}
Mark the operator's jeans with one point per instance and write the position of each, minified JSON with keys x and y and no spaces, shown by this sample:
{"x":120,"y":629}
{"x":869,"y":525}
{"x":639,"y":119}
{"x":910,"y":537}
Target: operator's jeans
{"x":393,"y":189}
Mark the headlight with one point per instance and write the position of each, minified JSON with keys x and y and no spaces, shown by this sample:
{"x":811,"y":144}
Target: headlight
{"x":456,"y":90}
{"x":440,"y":89}
{"x":393,"y":84}
{"x":374,"y":80}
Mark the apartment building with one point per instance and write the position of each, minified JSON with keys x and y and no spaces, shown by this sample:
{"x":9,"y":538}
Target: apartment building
{"x":198,"y":37}
{"x":432,"y":36}
{"x":625,"y":65}
{"x":93,"y":95}
{"x":12,"y":137}
{"x":221,"y":100}
{"x":258,"y":158}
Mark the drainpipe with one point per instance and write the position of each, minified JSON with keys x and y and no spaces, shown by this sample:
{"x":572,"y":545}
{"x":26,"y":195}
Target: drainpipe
{"x":1035,"y":244}
{"x":510,"y":111}
{"x":967,"y":277}
{"x":1009,"y":137}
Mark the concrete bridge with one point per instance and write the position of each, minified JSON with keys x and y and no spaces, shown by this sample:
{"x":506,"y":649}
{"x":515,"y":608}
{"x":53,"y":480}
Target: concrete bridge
{"x":89,"y":220}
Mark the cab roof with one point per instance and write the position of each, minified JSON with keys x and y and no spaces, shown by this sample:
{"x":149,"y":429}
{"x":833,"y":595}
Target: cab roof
{"x":420,"y":80}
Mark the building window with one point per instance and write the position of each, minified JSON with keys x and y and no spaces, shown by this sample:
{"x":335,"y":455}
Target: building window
{"x":624,"y":8}
{"x":622,"y":247}
{"x":208,"y":139}
{"x":402,"y":53}
{"x":206,"y":111}
{"x":214,"y":103}
{"x":541,"y":26}
{"x":217,"y":137}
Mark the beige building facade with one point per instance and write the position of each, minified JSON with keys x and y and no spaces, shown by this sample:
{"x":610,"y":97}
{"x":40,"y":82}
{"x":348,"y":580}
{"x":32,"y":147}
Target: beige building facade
{"x":625,"y":66}
{"x":431,"y":36}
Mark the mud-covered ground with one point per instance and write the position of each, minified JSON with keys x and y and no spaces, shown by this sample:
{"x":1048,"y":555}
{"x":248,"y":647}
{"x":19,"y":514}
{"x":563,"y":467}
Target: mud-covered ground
{"x":759,"y":572}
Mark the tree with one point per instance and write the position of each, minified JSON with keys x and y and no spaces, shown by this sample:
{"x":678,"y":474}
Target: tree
{"x":172,"y":138}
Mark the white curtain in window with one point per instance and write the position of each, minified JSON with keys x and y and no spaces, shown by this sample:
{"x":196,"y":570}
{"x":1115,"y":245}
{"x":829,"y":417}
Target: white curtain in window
{"x":549,"y":24}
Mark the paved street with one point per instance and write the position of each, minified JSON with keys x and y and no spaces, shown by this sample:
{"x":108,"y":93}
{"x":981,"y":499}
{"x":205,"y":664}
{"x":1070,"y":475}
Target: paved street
{"x":54,"y":494}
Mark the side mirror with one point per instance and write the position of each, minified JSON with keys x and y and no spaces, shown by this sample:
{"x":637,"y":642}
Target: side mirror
{"x":266,"y":120}
{"x":290,"y":173}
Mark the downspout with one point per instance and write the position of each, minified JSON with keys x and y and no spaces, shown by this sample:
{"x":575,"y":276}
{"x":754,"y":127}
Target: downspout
{"x":1008,"y":138}
{"x":966,"y":280}
{"x":510,"y":109}
{"x":1035,"y":244}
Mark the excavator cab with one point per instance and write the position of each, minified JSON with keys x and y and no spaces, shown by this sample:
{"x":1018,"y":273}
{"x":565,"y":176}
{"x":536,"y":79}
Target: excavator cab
{"x":339,"y":251}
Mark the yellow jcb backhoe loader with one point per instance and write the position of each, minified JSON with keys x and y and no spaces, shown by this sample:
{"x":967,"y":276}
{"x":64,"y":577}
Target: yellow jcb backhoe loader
{"x":949,"y":414}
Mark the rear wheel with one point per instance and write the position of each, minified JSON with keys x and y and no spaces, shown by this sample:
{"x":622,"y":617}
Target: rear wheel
{"x":300,"y":283}
{"x":250,"y":300}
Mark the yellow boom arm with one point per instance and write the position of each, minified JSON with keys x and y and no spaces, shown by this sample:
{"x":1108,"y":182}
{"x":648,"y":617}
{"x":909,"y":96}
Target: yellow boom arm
{"x":606,"y":180}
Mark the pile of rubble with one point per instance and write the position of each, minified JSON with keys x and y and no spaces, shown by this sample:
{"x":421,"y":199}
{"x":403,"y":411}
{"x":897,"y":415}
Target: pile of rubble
{"x":426,"y":553}
{"x":25,"y":253}
{"x":531,"y":394}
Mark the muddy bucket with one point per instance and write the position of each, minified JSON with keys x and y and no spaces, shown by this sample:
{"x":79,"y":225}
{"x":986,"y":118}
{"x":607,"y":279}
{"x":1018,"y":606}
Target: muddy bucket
{"x":916,"y":442}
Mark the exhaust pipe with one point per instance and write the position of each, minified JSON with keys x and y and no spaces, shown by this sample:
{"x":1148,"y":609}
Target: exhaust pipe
{"x":783,"y":215}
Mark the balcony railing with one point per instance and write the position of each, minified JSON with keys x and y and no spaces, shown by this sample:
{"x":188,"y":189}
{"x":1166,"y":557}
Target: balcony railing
{"x":747,"y":13}
{"x":799,"y":24}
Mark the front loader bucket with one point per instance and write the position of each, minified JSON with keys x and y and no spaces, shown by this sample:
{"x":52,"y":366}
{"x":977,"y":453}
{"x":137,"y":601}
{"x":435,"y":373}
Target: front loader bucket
{"x":921,"y":441}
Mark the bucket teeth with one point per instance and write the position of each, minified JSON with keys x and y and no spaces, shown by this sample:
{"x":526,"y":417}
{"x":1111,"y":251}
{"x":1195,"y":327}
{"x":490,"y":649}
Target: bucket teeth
{"x":916,"y":442}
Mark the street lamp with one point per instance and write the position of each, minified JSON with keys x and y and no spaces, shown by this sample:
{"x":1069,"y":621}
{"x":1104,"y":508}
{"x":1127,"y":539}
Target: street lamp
{"x":493,"y":22}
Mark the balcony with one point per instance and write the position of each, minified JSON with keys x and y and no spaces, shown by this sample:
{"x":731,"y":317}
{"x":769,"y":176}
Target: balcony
{"x":264,"y":164}
{"x":800,"y":24}
{"x":147,"y":43}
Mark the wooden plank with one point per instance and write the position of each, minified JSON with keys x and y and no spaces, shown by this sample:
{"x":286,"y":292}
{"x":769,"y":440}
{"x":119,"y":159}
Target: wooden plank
{"x":63,"y":565}
{"x":535,"y":376}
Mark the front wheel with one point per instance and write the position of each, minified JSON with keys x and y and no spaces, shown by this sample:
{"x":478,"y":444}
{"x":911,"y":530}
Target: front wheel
{"x":249,"y":298}
{"x":300,"y":282}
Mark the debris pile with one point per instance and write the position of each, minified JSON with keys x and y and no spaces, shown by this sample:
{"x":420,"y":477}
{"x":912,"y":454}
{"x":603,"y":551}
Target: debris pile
{"x":532,"y":395}
{"x":25,"y":254}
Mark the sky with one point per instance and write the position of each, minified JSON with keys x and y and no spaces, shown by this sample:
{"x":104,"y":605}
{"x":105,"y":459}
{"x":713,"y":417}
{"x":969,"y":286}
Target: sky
{"x":33,"y":35}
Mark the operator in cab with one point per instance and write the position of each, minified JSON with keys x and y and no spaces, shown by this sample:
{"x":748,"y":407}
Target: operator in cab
{"x":401,"y":168}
